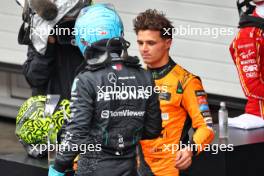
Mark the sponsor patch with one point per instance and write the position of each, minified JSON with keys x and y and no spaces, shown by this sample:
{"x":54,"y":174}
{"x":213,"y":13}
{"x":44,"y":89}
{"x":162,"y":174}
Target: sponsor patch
{"x":126,"y":77}
{"x":249,"y":61}
{"x":246,"y":45}
{"x":200,"y":93}
{"x":208,"y":120}
{"x":250,"y":68}
{"x":252,"y":75}
{"x":105,"y":114}
{"x":202,"y":100}
{"x":154,"y":150}
{"x":165,"y":116}
{"x":247,"y":55}
{"x":165,"y":96}
{"x":204,"y":107}
{"x":206,"y":114}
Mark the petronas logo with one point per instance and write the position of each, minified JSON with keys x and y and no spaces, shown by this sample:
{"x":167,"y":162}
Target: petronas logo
{"x":179,"y":88}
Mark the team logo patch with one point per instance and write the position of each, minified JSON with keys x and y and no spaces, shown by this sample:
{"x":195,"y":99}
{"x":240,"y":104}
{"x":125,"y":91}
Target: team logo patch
{"x":105,"y":114}
{"x":112,"y":78}
{"x":179,"y":88}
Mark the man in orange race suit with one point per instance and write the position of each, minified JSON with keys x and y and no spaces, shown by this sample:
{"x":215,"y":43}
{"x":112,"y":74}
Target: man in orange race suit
{"x":184,"y":104}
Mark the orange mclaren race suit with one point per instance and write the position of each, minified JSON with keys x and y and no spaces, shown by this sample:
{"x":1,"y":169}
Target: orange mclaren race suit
{"x":247,"y":51}
{"x":183,"y":104}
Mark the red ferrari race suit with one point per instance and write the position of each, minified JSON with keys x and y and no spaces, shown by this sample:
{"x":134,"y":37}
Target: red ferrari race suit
{"x":247,"y":51}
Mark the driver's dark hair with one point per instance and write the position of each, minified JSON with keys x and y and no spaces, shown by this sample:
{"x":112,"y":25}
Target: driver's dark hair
{"x":151,"y":19}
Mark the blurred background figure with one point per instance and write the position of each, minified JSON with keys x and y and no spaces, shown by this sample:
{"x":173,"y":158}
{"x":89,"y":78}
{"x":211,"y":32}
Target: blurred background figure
{"x":52,"y":62}
{"x":247,"y":51}
{"x":52,"y":59}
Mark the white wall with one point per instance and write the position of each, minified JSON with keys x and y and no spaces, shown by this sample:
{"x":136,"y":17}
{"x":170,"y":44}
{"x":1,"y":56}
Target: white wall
{"x":206,"y":56}
{"x":13,"y":87}
{"x":10,"y":21}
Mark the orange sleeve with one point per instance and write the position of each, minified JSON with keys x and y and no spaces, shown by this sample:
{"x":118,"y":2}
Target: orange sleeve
{"x":195,"y":102}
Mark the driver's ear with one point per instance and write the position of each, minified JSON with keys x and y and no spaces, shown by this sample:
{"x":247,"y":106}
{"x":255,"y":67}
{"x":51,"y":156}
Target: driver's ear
{"x":168,"y":43}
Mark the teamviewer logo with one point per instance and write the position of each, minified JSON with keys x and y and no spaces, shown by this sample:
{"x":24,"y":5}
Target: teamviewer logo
{"x":105,"y":114}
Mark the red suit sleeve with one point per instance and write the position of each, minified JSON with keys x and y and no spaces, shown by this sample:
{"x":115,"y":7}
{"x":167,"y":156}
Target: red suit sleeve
{"x":245,"y":51}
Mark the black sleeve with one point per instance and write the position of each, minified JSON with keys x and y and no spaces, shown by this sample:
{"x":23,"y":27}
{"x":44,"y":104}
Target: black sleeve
{"x":153,"y":121}
{"x":38,"y":68}
{"x":77,"y":129}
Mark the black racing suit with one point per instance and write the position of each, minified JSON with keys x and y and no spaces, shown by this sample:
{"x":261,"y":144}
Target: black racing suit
{"x":112,"y":109}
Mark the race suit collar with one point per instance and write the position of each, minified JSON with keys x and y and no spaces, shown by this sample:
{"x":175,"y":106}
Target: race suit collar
{"x":158,"y":73}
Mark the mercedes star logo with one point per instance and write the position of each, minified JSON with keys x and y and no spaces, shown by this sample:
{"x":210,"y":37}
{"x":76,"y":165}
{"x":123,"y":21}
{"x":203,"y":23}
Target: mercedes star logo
{"x":112,"y":78}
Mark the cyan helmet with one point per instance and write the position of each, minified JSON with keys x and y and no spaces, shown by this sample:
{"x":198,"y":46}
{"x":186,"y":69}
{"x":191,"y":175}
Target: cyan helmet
{"x":95,"y":23}
{"x":31,"y":125}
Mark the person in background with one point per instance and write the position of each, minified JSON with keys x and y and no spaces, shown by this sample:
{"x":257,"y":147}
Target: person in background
{"x":51,"y":65}
{"x":247,"y":51}
{"x":182,"y":106}
{"x":52,"y":59}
